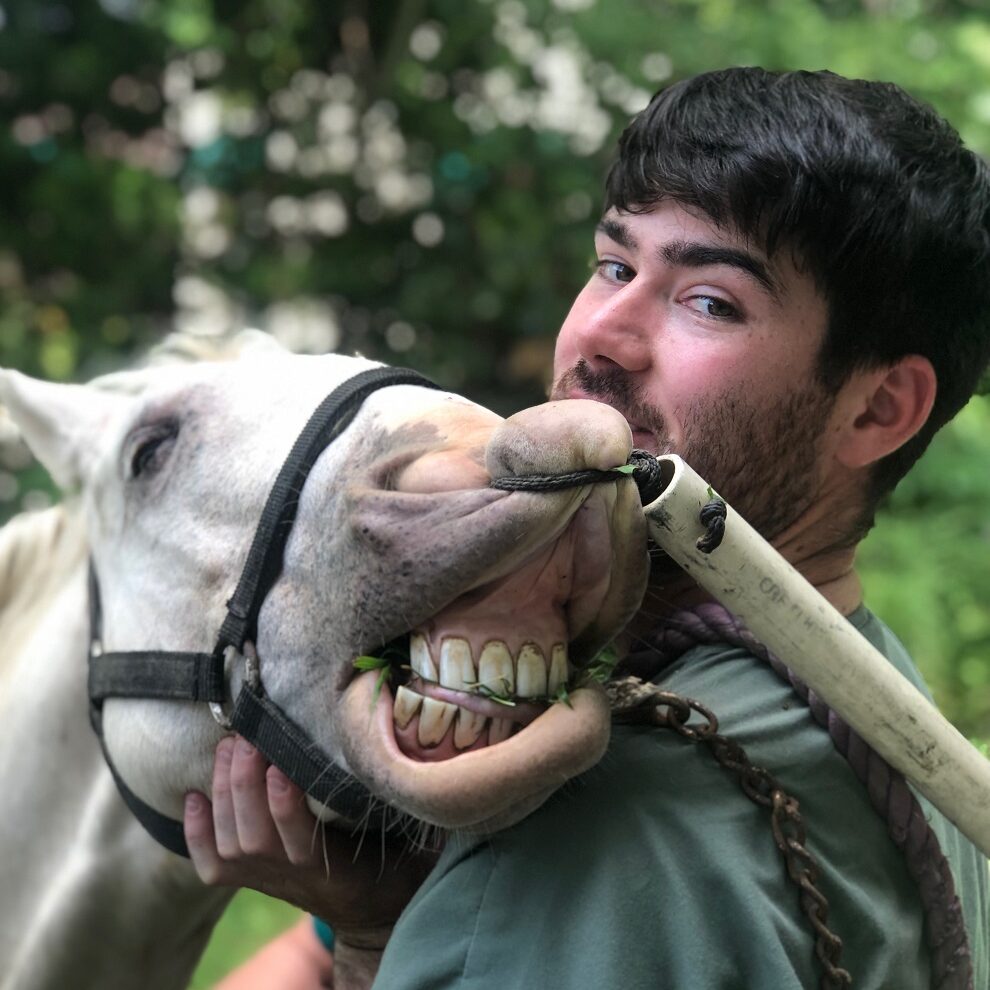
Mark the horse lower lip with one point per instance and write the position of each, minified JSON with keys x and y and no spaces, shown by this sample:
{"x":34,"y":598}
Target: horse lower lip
{"x":488,"y":786}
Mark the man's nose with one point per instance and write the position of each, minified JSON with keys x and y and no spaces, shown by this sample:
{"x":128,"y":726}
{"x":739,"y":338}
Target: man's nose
{"x":619,"y":331}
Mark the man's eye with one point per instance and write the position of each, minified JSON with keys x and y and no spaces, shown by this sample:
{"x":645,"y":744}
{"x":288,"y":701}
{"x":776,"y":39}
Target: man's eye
{"x":714,"y":307}
{"x":614,"y":271}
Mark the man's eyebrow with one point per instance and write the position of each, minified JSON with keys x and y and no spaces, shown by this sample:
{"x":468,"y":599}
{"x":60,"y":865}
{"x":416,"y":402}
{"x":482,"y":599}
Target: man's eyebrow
{"x":691,"y":254}
{"x":617,"y":231}
{"x":694,"y":254}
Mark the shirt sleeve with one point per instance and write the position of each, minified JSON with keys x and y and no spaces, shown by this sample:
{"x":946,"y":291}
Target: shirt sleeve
{"x":324,"y":933}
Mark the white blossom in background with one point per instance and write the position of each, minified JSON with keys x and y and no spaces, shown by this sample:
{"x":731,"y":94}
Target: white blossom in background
{"x":285,"y":214}
{"x":512,"y":31}
{"x":564,"y":95}
{"x":204,"y":309}
{"x":336,"y":118}
{"x":400,"y":336}
{"x":198,"y":118}
{"x":427,"y":230}
{"x":178,"y":80}
{"x":326,"y":214}
{"x":203,"y":232}
{"x":323,"y":214}
{"x":281,"y":151}
{"x":426,"y":40}
{"x":306,"y":326}
{"x":569,"y":91}
{"x":658,"y":67}
{"x":207,"y":63}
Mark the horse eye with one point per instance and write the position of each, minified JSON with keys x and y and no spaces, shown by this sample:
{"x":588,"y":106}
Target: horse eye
{"x":151,"y":452}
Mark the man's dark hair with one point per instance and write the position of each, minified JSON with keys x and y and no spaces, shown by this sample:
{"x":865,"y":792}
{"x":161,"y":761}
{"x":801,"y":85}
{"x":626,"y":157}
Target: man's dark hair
{"x":872,"y":191}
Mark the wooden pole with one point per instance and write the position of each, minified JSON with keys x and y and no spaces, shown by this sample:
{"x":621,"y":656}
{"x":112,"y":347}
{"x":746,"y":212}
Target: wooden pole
{"x":785,"y":612}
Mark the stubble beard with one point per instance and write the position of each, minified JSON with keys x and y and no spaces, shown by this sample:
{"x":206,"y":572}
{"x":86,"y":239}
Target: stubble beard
{"x":763,"y":459}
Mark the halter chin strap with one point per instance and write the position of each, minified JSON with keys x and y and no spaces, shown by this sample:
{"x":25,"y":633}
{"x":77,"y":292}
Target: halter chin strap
{"x":200,"y":676}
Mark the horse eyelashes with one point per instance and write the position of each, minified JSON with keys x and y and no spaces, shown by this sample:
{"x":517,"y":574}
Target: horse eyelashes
{"x":151,"y":452}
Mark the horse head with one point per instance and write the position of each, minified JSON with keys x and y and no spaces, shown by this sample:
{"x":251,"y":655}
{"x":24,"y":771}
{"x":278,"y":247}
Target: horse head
{"x":493,"y":600}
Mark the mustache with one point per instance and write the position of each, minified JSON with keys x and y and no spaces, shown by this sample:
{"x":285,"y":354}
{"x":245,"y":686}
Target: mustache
{"x":616,"y":388}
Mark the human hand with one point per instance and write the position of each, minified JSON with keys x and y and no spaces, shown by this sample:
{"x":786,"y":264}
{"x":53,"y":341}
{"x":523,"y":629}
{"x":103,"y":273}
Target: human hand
{"x":261,"y":834}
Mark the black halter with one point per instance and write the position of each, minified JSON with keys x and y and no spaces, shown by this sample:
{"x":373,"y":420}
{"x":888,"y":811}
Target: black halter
{"x":200,"y":676}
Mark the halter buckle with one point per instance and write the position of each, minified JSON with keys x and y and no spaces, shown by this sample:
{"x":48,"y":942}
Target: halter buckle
{"x":220,"y":716}
{"x":252,"y":678}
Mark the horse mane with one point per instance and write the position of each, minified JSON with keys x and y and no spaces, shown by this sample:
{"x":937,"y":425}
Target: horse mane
{"x":39,"y":551}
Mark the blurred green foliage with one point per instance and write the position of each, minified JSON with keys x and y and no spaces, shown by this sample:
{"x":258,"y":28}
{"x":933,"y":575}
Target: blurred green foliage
{"x":418,"y":180}
{"x":251,"y":920}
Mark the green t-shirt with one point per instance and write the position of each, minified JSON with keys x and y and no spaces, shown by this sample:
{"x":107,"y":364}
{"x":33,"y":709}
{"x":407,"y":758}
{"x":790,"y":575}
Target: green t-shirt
{"x":653,"y":870}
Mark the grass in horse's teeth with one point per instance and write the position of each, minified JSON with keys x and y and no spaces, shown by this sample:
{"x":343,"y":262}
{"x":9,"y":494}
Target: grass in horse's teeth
{"x":371,"y":663}
{"x":601,"y":668}
{"x":500,"y":697}
{"x":384,"y":667}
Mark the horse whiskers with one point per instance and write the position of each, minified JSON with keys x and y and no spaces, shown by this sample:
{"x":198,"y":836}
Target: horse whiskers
{"x":326,"y":854}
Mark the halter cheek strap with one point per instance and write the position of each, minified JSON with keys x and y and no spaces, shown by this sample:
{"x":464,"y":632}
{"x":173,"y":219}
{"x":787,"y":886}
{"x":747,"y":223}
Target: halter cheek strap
{"x":199,"y":677}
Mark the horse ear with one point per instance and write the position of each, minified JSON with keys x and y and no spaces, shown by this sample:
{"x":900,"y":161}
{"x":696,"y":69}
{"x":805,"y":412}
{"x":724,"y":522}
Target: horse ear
{"x":61,"y":424}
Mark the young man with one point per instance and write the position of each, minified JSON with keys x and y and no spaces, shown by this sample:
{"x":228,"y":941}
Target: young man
{"x":793,"y":292}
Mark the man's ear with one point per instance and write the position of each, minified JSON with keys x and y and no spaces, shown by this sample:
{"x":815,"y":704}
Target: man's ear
{"x":886,"y":407}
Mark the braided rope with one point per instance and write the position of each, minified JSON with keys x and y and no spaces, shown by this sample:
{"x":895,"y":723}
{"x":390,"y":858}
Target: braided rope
{"x":642,"y":466}
{"x":888,"y":791}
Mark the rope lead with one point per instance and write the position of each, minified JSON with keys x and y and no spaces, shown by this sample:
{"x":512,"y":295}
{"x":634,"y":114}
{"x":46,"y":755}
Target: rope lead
{"x":645,"y":470}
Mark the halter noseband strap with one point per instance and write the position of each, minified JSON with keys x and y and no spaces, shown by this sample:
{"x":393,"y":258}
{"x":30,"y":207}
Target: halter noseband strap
{"x":200,"y":676}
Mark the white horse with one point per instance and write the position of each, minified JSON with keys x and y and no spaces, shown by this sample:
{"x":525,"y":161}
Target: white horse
{"x":397,"y":535}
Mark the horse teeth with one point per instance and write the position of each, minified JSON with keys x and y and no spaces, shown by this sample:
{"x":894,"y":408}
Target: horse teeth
{"x":531,"y":673}
{"x":468,"y":728}
{"x":434,"y":721}
{"x":499,"y":731}
{"x":558,"y":669}
{"x":420,"y":659}
{"x":407,"y":703}
{"x":495,"y":669}
{"x":456,"y":665}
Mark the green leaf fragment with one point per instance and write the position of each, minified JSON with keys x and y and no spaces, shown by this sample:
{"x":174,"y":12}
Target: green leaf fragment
{"x":384,"y":667}
{"x":624,"y":469}
{"x":371,"y":663}
{"x":601,"y":667}
{"x":385,"y":675}
{"x":501,"y":698}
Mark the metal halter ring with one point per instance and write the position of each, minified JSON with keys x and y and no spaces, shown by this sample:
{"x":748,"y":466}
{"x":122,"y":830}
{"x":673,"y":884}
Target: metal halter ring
{"x":252,"y":677}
